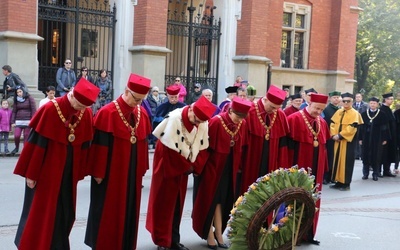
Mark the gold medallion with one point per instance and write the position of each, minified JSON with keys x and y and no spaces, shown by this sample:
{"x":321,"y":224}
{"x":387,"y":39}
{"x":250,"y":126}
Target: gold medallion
{"x":133,"y":139}
{"x":316,"y":144}
{"x":232,"y":143}
{"x":267,"y":137}
{"x":71,"y":137}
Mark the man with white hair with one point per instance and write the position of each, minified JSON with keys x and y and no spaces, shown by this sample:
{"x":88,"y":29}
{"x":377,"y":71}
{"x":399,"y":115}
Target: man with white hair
{"x":208,"y":94}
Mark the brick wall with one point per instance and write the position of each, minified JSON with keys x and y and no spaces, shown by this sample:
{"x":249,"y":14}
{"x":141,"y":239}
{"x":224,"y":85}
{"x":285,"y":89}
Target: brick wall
{"x":150,"y":23}
{"x":332,"y":35}
{"x":18,"y":15}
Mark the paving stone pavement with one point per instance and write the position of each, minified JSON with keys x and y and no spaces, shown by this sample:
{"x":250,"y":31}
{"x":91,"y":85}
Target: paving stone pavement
{"x":365,"y":217}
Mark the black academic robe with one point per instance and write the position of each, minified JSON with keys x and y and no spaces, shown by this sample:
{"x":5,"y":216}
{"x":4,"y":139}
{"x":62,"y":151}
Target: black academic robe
{"x":390,"y":150}
{"x":372,"y":133}
{"x":329,"y":111}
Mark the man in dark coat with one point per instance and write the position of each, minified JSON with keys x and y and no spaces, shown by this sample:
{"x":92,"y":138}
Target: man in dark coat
{"x":118,"y":162}
{"x":389,"y":154}
{"x":53,"y":161}
{"x":171,"y":104}
{"x":361,"y":107}
{"x":181,"y":150}
{"x":374,"y":134}
{"x":10,"y":84}
{"x":329,"y":111}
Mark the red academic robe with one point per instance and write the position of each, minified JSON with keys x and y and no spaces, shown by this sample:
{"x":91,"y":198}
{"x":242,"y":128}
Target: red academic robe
{"x":277,"y":153}
{"x":121,"y":165}
{"x":290,"y":110}
{"x":303,"y":152}
{"x":43,"y":159}
{"x":220,"y":150}
{"x":170,"y":176}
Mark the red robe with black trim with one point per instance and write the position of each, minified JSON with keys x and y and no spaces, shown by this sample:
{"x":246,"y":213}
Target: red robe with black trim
{"x":277,"y":153}
{"x":220,"y":150}
{"x":303,"y":153}
{"x":122,"y":166}
{"x":43,"y":160}
{"x":171,"y":166}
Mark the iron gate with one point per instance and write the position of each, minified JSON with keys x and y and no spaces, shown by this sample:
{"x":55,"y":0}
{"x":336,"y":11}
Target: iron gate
{"x":81,"y":30}
{"x":194,"y":41}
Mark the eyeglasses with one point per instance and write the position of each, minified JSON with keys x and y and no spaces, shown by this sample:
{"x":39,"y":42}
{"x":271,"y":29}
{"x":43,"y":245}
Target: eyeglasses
{"x":67,"y":62}
{"x":177,"y":80}
{"x":137,"y":100}
{"x":346,"y":101}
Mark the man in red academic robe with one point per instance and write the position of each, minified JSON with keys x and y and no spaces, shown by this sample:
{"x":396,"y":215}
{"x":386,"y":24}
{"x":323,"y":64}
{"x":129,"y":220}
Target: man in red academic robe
{"x":215,"y":186}
{"x":118,"y":161}
{"x":53,"y":161}
{"x":181,"y":149}
{"x":295,"y":106}
{"x":309,"y":133}
{"x":267,"y":138}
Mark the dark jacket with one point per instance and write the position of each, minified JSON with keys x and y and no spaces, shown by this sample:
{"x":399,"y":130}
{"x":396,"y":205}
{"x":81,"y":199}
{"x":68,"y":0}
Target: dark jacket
{"x":62,"y":79}
{"x":12,"y":80}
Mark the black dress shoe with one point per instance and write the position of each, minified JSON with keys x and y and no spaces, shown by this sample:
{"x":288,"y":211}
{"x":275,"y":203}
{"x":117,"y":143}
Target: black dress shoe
{"x":212,"y":246}
{"x":344,"y":188}
{"x":162,"y":248}
{"x":334,"y":186}
{"x":222,"y":245}
{"x":313,"y":241}
{"x":364,"y":177}
{"x":178,"y":246}
{"x":388,"y":174}
{"x":375,"y":178}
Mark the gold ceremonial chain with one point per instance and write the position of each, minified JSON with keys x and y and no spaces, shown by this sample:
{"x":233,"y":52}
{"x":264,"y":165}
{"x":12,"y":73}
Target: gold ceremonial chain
{"x":184,"y":130}
{"x":311,"y":128}
{"x":372,"y":118}
{"x":133,"y":129}
{"x":71,"y":136}
{"x":267,"y":128}
{"x":232,"y":134}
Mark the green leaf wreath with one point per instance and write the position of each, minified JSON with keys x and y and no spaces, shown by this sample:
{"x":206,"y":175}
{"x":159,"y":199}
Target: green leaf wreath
{"x":281,"y":231}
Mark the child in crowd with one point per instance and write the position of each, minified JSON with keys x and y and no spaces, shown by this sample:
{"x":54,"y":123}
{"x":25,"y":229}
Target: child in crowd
{"x":50,"y":95}
{"x":5,"y":125}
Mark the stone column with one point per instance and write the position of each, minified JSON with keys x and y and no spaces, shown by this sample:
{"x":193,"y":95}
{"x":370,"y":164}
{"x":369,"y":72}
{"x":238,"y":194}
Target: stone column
{"x":18,"y":41}
{"x":149,"y":40}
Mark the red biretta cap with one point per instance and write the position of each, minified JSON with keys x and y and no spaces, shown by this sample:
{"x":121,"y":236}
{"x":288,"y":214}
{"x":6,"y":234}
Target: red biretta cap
{"x":240,"y":105}
{"x":203,"y":108}
{"x":86,"y":92}
{"x":319,"y":98}
{"x":173,"y":89}
{"x":276,"y":95}
{"x":139,"y":84}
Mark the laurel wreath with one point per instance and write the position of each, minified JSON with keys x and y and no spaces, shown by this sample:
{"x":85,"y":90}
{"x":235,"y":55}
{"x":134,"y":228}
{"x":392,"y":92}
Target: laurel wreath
{"x":281,"y":230}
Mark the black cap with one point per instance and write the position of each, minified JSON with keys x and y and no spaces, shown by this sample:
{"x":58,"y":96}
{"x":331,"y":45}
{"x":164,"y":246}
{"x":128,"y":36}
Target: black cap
{"x":373,"y":99}
{"x":231,"y":89}
{"x":312,"y":90}
{"x":387,"y":95}
{"x":295,"y":96}
{"x":347,"y":94}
